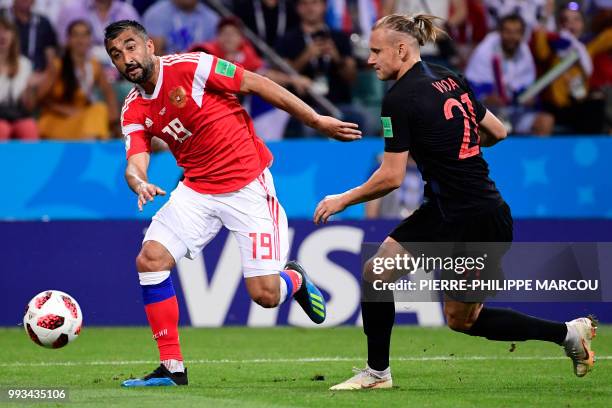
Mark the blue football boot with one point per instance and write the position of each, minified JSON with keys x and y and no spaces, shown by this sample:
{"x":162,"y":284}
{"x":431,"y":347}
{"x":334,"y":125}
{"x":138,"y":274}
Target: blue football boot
{"x":308,"y":295}
{"x":158,"y":378}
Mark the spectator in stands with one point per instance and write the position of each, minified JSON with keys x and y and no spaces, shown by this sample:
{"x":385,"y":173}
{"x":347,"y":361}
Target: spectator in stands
{"x":402,"y":202}
{"x":175,"y":25}
{"x":141,"y":6}
{"x":16,"y":94}
{"x":325,"y":56}
{"x":452,"y":13}
{"x":99,"y":14}
{"x":535,"y":13}
{"x":469,"y":34}
{"x":36,"y":35}
{"x":567,"y":100}
{"x":71,"y":111}
{"x":269,"y":19}
{"x":500,"y":69}
{"x":232,"y":46}
{"x":51,"y":9}
{"x":601,"y":80}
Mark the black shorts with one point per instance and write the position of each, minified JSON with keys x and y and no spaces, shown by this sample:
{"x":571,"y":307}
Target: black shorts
{"x":464,"y":237}
{"x":428,"y":225}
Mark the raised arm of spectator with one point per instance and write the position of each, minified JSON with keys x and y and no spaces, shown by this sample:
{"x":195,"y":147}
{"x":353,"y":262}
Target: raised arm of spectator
{"x":541,"y":47}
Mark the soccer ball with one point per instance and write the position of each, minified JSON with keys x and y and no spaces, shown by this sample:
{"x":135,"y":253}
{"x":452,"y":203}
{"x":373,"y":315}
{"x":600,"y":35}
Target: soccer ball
{"x":52,"y":319}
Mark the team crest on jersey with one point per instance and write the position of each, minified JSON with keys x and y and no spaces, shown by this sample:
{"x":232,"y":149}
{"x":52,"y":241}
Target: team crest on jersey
{"x":148,"y":122}
{"x":178,"y":96}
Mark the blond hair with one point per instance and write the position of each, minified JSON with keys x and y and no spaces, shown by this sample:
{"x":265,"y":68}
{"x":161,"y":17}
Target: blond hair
{"x":419,"y":26}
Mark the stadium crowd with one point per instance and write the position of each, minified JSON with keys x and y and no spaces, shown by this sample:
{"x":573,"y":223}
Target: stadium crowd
{"x":57,"y":82}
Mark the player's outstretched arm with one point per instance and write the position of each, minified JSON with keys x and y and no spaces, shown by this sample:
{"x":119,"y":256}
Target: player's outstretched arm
{"x":278,"y":96}
{"x":385,"y":179}
{"x":491,"y":130}
{"x":136,"y":177}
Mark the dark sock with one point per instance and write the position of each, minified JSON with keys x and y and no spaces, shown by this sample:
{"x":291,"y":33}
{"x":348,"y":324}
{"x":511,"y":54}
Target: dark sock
{"x":509,"y":325}
{"x":378,"y":313}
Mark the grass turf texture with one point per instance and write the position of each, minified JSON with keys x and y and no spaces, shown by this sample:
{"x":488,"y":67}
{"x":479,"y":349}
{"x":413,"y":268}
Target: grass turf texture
{"x":240,"y":367}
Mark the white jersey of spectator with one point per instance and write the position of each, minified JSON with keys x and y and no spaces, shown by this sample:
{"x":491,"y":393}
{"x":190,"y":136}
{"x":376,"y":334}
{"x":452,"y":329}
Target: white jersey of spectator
{"x":52,"y":9}
{"x":532,"y":11}
{"x":178,"y":28}
{"x":586,"y":63}
{"x":85,"y":10}
{"x":518,"y":72}
{"x":11,"y":89}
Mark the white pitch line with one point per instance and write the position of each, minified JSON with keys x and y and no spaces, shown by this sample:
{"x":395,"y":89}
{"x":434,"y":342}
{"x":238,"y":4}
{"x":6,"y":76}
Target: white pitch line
{"x":287,"y":360}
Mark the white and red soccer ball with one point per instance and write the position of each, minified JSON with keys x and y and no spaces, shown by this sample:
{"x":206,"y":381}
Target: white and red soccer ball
{"x":53,"y":319}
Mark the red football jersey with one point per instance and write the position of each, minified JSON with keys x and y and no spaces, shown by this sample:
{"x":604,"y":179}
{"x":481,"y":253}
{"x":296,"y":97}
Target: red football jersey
{"x":194,"y":110}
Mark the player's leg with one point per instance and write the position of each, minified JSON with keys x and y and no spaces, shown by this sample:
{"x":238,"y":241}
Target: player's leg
{"x":378,"y":307}
{"x":154,"y":263}
{"x":259,"y":224}
{"x":182,"y":227}
{"x":378,"y":314}
{"x":507,"y":324}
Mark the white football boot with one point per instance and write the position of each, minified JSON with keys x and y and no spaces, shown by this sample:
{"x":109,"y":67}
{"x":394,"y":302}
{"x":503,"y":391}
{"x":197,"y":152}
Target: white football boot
{"x":365,"y":379}
{"x":577,"y":344}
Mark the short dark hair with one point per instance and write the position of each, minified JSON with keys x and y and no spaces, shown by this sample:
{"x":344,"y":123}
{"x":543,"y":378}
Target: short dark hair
{"x":512,"y":18}
{"x":114,"y":29}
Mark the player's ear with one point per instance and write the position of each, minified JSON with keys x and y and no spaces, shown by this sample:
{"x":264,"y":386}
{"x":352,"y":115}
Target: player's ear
{"x":402,"y":50}
{"x":150,"y":45}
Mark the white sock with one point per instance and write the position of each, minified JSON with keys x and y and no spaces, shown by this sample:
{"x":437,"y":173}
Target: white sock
{"x":152,"y":278}
{"x":283,"y":290}
{"x":571,"y":332}
{"x":174,"y":366}
{"x":380,"y":374}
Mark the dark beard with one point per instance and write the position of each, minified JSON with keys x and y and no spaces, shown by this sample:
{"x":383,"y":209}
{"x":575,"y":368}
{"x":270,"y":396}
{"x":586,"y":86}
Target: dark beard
{"x":147,"y":71}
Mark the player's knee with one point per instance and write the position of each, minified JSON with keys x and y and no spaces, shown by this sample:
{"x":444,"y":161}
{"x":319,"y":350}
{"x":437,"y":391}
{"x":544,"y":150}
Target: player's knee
{"x":149,"y":260}
{"x":266,"y":297}
{"x":368,"y":271}
{"x":372,"y":273}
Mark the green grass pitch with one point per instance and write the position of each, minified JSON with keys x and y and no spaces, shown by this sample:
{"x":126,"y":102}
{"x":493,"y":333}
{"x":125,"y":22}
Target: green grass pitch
{"x":291,"y":367}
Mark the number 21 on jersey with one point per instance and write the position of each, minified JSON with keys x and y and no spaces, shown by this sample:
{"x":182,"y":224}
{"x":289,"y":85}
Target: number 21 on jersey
{"x":466,"y":150}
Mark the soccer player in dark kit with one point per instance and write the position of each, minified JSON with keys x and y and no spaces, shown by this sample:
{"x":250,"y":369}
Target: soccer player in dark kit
{"x":432,"y":113}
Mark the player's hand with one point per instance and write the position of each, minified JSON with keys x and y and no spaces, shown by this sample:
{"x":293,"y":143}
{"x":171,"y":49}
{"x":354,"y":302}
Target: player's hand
{"x":146,"y":192}
{"x":337,"y":129}
{"x":330,"y":205}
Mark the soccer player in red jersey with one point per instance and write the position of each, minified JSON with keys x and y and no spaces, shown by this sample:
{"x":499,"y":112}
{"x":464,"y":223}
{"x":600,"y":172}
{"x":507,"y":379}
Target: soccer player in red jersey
{"x":188,"y":101}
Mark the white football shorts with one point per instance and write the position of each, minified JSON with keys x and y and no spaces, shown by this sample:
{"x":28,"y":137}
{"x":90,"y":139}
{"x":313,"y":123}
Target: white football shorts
{"x":190,"y":220}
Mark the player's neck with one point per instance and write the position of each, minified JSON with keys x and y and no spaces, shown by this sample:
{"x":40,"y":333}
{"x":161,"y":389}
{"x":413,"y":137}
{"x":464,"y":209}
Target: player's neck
{"x":407,"y":66}
{"x":149,"y":85}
